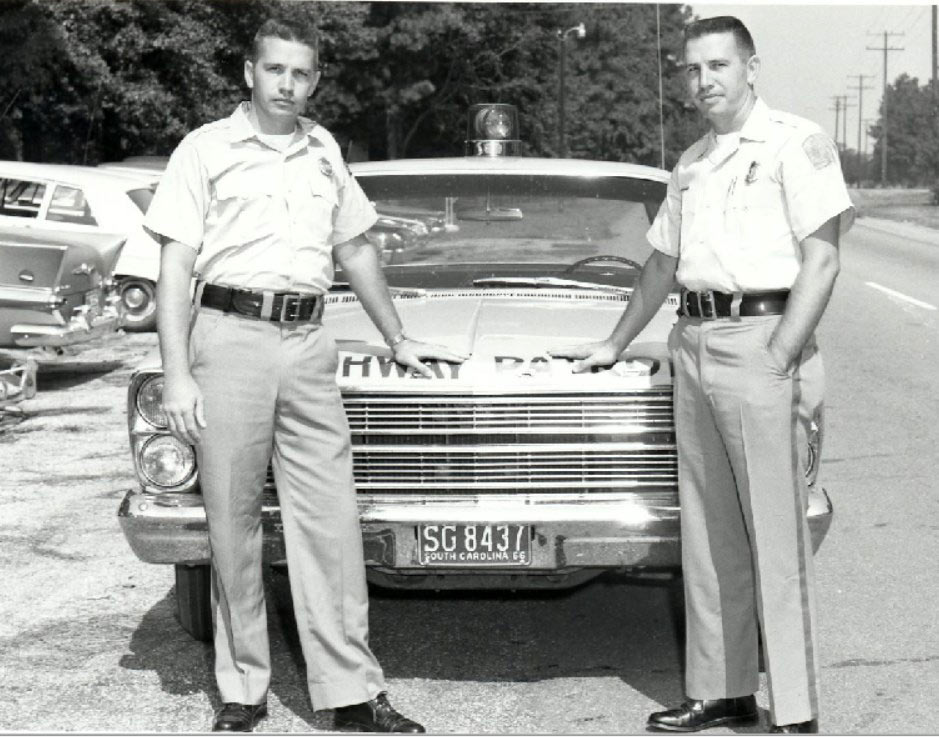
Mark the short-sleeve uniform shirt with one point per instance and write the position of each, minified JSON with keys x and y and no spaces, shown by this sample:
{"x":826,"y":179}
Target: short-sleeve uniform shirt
{"x":737,"y":206}
{"x":258,"y":217}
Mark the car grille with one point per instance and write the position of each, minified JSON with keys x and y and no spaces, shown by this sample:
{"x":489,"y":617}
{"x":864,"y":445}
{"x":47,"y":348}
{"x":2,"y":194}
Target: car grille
{"x":375,"y":415}
{"x":419,"y":444}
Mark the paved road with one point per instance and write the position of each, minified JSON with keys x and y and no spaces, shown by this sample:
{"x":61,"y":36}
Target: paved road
{"x":88,"y":641}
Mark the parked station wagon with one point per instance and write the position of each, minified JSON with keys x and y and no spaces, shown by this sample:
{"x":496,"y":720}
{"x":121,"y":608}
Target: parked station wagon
{"x":506,"y":471}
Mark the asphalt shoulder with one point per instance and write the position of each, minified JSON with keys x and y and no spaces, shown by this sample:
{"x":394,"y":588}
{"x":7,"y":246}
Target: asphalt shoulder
{"x":910,"y":231}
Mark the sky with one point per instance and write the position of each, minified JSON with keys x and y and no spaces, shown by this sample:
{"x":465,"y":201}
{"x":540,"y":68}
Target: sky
{"x":810,"y":53}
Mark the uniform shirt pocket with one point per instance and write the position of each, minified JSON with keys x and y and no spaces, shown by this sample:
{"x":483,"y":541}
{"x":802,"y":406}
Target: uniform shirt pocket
{"x":757,"y":208}
{"x":689,"y":207}
{"x":244,"y":209}
{"x":313,"y":208}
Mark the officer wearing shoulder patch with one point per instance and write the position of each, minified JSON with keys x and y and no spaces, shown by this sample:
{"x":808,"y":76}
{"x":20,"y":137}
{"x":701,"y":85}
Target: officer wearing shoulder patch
{"x":256,"y":207}
{"x":749,"y":228}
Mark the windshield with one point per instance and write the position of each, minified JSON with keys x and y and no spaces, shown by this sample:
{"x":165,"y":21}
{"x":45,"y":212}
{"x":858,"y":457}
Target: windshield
{"x":512,"y":219}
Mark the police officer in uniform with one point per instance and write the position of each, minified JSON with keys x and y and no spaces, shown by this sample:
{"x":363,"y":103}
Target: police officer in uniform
{"x":750,"y":229}
{"x":257,"y":206}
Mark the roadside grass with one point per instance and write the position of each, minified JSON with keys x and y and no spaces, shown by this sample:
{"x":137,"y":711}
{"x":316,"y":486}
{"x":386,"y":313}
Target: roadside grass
{"x":901,"y":205}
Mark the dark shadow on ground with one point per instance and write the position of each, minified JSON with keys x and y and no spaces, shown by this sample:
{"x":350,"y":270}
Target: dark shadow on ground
{"x":612,"y":626}
{"x":616,"y":626}
{"x":71,"y":374}
{"x":159,"y":644}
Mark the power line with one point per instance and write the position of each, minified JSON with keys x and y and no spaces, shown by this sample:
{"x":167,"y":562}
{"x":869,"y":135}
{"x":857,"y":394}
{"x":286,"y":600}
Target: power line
{"x":917,"y":19}
{"x":883,"y":140}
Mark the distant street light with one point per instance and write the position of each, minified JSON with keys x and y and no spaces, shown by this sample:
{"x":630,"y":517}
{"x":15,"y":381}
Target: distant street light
{"x":580,"y":30}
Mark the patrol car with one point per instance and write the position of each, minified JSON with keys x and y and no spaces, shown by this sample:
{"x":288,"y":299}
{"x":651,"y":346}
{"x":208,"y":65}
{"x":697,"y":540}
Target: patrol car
{"x":509,"y":470}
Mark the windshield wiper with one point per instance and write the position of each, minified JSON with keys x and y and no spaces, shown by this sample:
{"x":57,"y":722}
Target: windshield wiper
{"x":547,"y":281}
{"x":395,"y":291}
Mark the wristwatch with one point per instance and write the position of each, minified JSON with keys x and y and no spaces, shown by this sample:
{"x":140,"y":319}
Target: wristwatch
{"x":397,"y":338}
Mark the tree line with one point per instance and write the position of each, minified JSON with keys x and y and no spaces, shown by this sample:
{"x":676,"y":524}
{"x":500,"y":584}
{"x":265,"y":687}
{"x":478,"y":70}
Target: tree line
{"x":912,"y":135}
{"x":84,"y":81}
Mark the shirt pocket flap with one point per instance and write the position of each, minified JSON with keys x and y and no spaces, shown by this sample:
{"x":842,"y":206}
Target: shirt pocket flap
{"x":242,"y":186}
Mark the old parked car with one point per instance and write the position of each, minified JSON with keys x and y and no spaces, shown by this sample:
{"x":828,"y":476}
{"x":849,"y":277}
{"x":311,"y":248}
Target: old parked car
{"x":507,"y":471}
{"x":80,"y":199}
{"x":56,"y":289}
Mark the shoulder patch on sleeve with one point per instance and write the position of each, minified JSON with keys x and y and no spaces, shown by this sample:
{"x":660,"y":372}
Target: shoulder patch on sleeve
{"x":819,"y":148}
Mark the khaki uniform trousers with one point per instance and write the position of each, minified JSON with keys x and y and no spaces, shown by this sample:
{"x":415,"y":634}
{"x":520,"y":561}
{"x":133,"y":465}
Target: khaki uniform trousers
{"x":270,"y":390}
{"x":746,"y":550}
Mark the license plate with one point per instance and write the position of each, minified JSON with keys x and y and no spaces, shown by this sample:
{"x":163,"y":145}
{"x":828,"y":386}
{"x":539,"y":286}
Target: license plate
{"x":474,"y":545}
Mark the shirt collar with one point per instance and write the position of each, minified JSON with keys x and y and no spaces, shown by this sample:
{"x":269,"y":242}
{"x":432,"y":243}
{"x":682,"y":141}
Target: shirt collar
{"x":756,"y":127}
{"x":242,"y":130}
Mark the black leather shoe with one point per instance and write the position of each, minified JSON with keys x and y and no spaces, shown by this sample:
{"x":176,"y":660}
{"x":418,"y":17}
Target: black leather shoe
{"x":376,"y":715}
{"x":809,"y":727}
{"x":233,"y":717}
{"x":697,"y":714}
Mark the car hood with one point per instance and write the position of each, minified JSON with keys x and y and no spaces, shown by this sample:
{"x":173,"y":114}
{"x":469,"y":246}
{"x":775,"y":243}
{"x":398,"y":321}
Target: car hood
{"x":508,"y":335}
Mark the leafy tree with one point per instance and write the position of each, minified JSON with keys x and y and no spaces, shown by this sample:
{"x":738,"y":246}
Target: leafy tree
{"x":88,"y":80}
{"x":912,"y":133}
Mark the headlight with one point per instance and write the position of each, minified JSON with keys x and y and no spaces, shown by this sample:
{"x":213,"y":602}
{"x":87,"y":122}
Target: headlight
{"x":165,"y":461}
{"x":150,"y":401}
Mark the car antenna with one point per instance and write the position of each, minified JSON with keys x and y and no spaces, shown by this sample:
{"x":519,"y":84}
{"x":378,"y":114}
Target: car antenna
{"x":658,"y":42}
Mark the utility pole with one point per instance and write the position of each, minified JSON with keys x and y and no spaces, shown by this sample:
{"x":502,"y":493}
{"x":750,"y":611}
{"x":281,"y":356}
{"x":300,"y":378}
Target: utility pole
{"x":935,"y":47}
{"x":883,"y":141}
{"x":860,"y":115}
{"x":837,"y":109}
{"x":867,"y":125}
{"x":844,"y":123}
{"x":580,"y":31}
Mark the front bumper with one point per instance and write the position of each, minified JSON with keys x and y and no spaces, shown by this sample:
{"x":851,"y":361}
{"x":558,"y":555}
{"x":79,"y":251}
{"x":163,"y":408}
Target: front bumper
{"x":634,"y":531}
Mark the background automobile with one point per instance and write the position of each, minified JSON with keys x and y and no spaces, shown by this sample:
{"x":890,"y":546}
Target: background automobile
{"x":508,"y":471}
{"x":55,"y":288}
{"x":149,"y":166}
{"x":91,"y":200}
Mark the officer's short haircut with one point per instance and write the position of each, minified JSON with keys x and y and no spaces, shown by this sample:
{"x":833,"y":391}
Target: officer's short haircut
{"x":723,"y":24}
{"x":298,"y":31}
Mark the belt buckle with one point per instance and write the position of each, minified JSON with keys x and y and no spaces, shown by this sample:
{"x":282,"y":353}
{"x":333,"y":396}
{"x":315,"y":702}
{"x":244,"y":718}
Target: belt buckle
{"x":709,"y":302}
{"x":288,"y":301}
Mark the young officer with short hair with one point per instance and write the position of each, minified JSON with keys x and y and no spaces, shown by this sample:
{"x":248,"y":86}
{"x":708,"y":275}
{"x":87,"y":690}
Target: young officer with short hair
{"x":256,"y":206}
{"x":750,"y":228}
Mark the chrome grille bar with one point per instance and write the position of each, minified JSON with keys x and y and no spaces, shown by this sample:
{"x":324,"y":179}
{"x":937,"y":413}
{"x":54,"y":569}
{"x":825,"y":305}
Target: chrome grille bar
{"x":419,"y":444}
{"x":635,"y":413}
{"x":610,"y":465}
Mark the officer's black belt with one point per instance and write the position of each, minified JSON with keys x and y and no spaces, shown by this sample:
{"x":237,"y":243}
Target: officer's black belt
{"x":711,"y":305}
{"x":266,"y":305}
